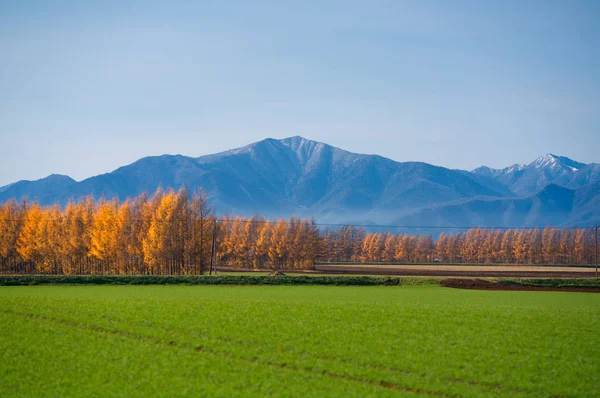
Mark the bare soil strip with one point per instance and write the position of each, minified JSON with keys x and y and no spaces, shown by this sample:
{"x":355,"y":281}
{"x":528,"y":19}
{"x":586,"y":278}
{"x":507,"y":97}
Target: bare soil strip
{"x":481,"y":284}
{"x":474,"y":271}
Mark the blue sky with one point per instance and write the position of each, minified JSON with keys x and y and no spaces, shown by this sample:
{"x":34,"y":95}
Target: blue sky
{"x":86,"y":87}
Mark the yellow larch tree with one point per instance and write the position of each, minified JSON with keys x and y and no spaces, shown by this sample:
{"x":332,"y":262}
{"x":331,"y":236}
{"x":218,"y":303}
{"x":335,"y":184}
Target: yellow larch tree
{"x":389,"y":248}
{"x":441,"y":248}
{"x":278,"y":249}
{"x":157,"y":245}
{"x":263,"y":242}
{"x":104,"y":237}
{"x":11,"y":221}
{"x":29,"y":243}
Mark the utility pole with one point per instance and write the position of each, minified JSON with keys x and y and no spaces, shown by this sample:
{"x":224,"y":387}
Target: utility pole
{"x":213,"y":254}
{"x":596,"y":252}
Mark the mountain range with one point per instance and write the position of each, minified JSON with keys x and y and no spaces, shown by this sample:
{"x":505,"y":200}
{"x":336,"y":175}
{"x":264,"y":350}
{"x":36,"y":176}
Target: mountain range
{"x":296,"y":176}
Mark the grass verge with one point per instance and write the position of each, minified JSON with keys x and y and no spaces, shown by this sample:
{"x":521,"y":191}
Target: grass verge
{"x":309,"y":280}
{"x":24,"y":280}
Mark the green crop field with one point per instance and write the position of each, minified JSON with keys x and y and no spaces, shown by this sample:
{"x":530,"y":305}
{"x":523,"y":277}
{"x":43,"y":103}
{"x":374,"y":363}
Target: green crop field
{"x":76,"y":341}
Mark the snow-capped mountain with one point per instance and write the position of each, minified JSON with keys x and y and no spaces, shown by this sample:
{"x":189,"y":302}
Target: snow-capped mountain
{"x":278,"y":178}
{"x":553,"y":162}
{"x":524,"y":180}
{"x":304,"y":177}
{"x":489,"y":172}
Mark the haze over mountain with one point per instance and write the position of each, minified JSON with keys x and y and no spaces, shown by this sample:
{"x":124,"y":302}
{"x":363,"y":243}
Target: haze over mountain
{"x":278,"y":178}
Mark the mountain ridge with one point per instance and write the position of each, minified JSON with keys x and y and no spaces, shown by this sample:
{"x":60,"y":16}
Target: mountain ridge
{"x":524,"y":180}
{"x":281,"y":177}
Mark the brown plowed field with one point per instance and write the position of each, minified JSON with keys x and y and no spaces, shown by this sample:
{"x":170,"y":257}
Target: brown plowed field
{"x":469,"y":271}
{"x":480,"y":284}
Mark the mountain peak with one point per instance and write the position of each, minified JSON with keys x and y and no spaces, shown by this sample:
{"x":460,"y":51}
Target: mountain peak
{"x":513,"y":168}
{"x":485,"y":170}
{"x":295,"y":138}
{"x":58,"y":177}
{"x":301,"y":144}
{"x":548,"y":159}
{"x":490,"y":172}
{"x":52,"y":178}
{"x":553,"y":161}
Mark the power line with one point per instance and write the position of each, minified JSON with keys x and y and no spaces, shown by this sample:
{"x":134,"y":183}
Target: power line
{"x":340,"y":225}
{"x":411,"y":226}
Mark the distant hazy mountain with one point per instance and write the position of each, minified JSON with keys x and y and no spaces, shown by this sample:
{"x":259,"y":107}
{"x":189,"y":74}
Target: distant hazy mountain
{"x":307,"y":178}
{"x":524,"y":180}
{"x":45,"y":190}
{"x":553,"y":205}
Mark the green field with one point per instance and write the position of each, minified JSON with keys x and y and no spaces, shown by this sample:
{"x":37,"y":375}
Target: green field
{"x":296,"y":341}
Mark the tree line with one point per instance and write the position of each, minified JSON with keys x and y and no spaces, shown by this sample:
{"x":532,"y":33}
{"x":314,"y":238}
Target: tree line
{"x":551,"y":246}
{"x":172,"y":233}
{"x":166,"y":234}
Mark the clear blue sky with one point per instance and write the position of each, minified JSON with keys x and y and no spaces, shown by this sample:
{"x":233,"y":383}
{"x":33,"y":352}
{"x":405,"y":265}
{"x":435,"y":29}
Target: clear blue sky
{"x":86,"y":87}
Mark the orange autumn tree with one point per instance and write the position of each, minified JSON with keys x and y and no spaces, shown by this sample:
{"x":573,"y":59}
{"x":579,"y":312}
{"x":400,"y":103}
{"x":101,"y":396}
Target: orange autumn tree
{"x":11,"y":223}
{"x":171,"y":233}
{"x":104,"y":237}
{"x":29,"y":243}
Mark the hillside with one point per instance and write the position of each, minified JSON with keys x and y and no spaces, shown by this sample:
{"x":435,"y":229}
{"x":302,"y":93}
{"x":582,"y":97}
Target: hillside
{"x":278,"y":178}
